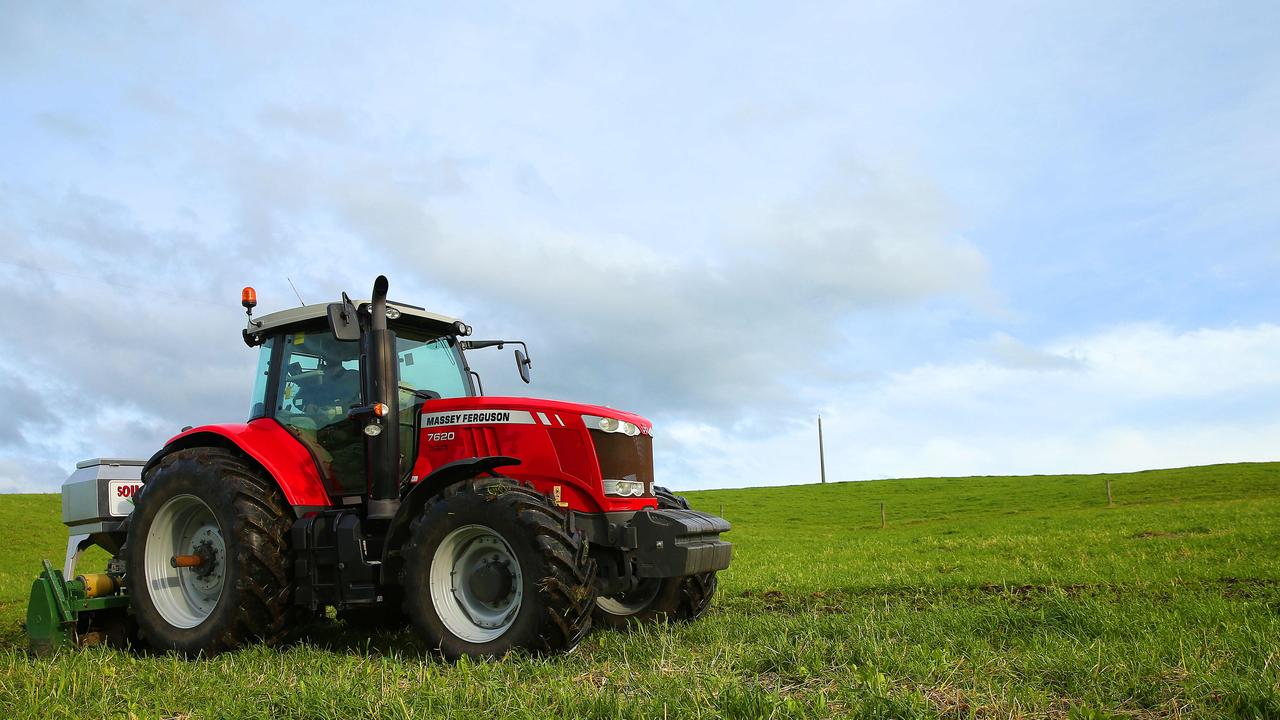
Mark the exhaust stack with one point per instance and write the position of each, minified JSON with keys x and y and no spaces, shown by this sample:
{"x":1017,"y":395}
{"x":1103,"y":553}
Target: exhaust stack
{"x":382,"y":451}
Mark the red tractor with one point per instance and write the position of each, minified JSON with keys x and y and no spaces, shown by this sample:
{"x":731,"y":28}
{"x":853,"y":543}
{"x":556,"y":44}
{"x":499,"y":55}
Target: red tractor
{"x":374,"y":477}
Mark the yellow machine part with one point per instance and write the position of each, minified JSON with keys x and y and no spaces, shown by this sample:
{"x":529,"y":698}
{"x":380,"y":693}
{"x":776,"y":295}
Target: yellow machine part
{"x":98,"y":585}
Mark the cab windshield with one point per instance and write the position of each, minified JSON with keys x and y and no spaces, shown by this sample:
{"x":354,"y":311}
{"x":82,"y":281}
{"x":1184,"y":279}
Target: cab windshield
{"x":429,"y":362}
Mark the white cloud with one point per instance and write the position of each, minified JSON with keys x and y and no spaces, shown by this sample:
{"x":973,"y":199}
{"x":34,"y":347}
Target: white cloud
{"x":661,"y":329}
{"x":1132,"y":397}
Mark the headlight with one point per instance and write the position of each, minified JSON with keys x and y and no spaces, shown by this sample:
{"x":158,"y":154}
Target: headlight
{"x":611,"y":425}
{"x":623,"y":488}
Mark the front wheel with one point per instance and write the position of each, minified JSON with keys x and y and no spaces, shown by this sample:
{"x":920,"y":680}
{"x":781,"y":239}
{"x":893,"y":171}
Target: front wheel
{"x":491,"y":566}
{"x":659,"y":599}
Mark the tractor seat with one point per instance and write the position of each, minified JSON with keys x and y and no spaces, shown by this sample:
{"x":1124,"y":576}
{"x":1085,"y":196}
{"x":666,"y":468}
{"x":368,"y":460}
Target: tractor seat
{"x":344,"y":387}
{"x":302,"y":422}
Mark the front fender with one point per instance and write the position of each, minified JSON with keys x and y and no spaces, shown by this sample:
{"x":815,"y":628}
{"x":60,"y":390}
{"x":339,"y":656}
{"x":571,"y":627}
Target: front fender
{"x":280,"y":454}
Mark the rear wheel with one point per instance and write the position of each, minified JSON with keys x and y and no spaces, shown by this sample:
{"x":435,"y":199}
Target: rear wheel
{"x":491,"y":566}
{"x":659,"y":599}
{"x":213,"y":511}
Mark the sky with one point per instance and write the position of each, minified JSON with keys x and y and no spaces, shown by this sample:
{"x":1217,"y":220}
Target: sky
{"x":977,"y":238}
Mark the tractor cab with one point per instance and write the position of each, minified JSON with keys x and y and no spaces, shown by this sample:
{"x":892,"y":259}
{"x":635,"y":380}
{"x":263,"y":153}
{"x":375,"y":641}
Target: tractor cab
{"x":313,"y":384}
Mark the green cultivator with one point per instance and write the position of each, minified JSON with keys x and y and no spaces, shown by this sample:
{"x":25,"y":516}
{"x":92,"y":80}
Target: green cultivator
{"x":89,"y":610}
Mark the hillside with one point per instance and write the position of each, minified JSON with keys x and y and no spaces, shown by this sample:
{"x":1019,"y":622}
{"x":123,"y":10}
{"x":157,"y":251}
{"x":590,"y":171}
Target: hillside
{"x":984,"y":596}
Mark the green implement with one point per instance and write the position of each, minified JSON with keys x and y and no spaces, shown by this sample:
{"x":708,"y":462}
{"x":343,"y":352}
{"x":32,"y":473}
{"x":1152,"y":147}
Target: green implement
{"x":72,"y":613}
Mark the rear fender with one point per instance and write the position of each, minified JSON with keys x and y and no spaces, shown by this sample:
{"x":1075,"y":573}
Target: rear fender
{"x":427,"y":488}
{"x":286,"y":460}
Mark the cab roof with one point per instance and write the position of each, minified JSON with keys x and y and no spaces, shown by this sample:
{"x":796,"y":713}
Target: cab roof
{"x":268,"y":324}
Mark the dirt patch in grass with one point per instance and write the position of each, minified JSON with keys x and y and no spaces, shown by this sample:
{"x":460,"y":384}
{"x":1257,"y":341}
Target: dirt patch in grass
{"x":847,"y":600}
{"x":1149,"y":534}
{"x":1250,"y":588}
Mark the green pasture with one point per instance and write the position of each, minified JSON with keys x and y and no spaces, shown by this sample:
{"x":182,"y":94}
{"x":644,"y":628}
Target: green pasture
{"x":980,"y":597}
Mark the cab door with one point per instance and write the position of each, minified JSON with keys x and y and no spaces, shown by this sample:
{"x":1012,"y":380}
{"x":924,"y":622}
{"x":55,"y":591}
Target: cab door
{"x":319,"y":383}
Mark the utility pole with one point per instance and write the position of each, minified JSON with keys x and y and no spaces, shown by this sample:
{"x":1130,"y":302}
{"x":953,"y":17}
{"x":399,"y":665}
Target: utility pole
{"x":822,"y":456}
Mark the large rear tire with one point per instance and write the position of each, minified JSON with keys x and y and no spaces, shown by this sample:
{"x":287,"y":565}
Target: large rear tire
{"x":491,"y":566}
{"x":676,"y":599}
{"x":212,"y":503}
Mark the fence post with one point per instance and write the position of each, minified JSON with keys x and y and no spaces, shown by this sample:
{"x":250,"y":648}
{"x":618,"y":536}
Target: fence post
{"x":882,"y":522}
{"x":1110,"y":502}
{"x":822,"y":455}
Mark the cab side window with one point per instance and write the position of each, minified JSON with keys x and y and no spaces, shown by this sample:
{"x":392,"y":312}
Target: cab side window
{"x":258,"y":401}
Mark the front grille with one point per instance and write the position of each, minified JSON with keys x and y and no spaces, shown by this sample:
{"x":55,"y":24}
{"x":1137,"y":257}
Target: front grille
{"x":625,"y":458}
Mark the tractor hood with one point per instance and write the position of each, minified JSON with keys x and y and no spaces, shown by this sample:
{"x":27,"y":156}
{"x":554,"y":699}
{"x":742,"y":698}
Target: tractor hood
{"x":490,"y":409}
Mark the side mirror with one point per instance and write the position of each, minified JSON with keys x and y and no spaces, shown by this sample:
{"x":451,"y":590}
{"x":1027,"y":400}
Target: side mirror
{"x":342,"y":320}
{"x":523,"y":364}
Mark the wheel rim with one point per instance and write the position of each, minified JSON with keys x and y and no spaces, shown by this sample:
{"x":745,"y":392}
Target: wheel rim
{"x":476,"y":583}
{"x":633,"y":602}
{"x":185,"y":597}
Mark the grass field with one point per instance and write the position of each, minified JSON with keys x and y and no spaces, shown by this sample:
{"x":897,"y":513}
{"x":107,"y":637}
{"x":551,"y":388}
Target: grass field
{"x":983,"y":597}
